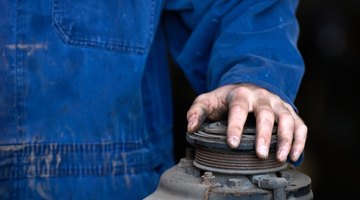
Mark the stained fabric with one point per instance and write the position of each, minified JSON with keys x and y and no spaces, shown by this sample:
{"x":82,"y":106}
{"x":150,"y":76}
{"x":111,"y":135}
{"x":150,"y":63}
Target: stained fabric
{"x":85,"y":93}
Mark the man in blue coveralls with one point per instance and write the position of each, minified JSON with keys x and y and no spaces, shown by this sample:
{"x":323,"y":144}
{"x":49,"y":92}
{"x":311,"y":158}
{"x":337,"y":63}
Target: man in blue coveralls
{"x":85,"y":100}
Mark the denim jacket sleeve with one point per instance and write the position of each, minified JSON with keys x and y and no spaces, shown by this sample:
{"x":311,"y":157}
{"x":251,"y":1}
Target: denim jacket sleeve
{"x":226,"y":42}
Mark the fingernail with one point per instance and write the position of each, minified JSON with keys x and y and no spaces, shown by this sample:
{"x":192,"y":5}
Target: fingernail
{"x":282,"y":156}
{"x":295,"y":156}
{"x":263,"y":151}
{"x":191,"y":125}
{"x":234,"y":141}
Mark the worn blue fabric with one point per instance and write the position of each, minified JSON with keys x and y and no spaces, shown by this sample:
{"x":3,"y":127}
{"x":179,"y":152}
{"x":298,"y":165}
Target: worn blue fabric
{"x":85,"y":94}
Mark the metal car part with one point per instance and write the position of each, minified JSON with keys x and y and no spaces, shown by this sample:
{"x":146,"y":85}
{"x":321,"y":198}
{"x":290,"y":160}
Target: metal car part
{"x":220,"y":173}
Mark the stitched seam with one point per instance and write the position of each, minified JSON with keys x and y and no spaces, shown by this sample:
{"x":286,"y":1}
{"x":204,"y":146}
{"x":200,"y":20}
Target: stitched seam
{"x":109,"y":43}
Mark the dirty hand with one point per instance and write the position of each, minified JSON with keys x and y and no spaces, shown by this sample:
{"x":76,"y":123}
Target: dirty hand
{"x":238,"y":100}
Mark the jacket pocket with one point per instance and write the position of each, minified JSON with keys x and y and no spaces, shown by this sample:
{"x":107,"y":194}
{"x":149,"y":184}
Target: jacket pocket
{"x":125,"y":26}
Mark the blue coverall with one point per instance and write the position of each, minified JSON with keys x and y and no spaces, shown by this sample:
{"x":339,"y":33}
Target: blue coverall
{"x":85,"y":94}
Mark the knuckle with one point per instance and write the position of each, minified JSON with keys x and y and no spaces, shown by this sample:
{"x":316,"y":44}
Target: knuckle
{"x":234,"y":130}
{"x":286,"y":118}
{"x":263,"y":140}
{"x":303,"y":128}
{"x":236,"y":108}
{"x":239,"y":92}
{"x":262,"y":92}
{"x":288,"y":106}
{"x":285,"y":141}
{"x":302,"y":132}
{"x":265,"y":115}
{"x":267,"y":124}
{"x":265,"y":111}
{"x":265,"y":127}
{"x":201,"y":98}
{"x":190,"y":112}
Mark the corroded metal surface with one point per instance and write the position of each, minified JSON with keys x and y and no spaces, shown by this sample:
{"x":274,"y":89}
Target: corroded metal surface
{"x":217,"y":172}
{"x":185,"y":181}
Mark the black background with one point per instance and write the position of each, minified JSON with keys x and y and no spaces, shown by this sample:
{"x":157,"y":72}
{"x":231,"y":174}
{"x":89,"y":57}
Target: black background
{"x":327,"y":100}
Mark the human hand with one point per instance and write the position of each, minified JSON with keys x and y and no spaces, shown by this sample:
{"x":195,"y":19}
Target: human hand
{"x":240,"y":99}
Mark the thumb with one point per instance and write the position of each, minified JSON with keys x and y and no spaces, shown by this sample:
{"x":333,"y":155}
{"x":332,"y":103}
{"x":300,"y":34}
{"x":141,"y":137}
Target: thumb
{"x":210,"y":105}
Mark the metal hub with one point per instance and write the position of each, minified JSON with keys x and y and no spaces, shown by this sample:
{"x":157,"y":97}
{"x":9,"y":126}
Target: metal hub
{"x":213,"y":154}
{"x":220,"y":173}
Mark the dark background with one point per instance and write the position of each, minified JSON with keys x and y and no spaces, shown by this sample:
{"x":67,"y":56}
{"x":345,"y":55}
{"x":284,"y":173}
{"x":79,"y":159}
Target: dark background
{"x":327,"y":100}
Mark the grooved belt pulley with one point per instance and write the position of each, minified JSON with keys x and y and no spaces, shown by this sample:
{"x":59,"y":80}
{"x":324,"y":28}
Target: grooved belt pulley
{"x":213,"y":154}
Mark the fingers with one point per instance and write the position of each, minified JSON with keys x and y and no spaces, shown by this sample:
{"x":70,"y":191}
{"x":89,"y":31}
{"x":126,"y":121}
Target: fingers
{"x":264,"y":125}
{"x":238,"y":111}
{"x":248,"y":98}
{"x":291,"y":132}
{"x":299,"y":135}
{"x":299,"y":141}
{"x":196,"y":115}
{"x":267,"y":108}
{"x":209,"y":105}
{"x":285,"y":133}
{"x":241,"y":99}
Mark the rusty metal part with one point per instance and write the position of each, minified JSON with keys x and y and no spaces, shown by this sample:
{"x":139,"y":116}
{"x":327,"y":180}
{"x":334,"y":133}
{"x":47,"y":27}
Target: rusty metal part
{"x":207,"y":178}
{"x":217,"y":172}
{"x":178,"y":183}
{"x":276,"y":184}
